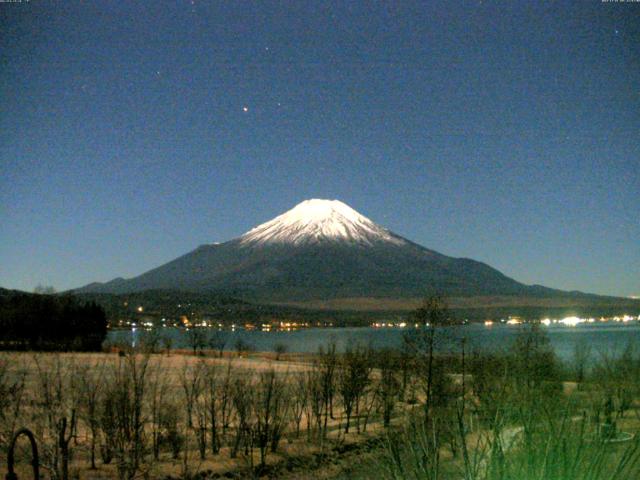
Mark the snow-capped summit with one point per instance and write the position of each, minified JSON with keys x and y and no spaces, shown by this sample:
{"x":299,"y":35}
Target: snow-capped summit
{"x":316,"y":221}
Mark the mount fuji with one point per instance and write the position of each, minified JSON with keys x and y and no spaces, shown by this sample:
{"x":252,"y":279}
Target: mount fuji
{"x":322,"y":250}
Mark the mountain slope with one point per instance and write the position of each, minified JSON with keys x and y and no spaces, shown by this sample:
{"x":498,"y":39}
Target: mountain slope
{"x":322,"y":249}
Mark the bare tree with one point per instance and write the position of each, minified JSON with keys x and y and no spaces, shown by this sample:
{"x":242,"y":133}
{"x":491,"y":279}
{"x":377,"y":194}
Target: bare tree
{"x":217,"y":341}
{"x":124,"y":399}
{"x":328,"y":364}
{"x":280,"y":349}
{"x":461,"y":412}
{"x":270,"y":410}
{"x":66,"y":432}
{"x":57,"y":397}
{"x":581,"y":356}
{"x":108,"y":425}
{"x":299,"y":390}
{"x":242,"y":397}
{"x":197,"y":339}
{"x":156,"y":405}
{"x":388,"y":387}
{"x":191,"y":379}
{"x":406,"y":365}
{"x":12,"y":393}
{"x":217,"y":383}
{"x":353,"y":378}
{"x":243,"y":347}
{"x":201,"y":413}
{"x":315,"y":406}
{"x":91,"y":378}
{"x":44,"y":289}
{"x":226,"y":400}
{"x":212,"y":393}
{"x":166,"y":339}
{"x":150,"y":340}
{"x":533,"y":365}
{"x":430,"y":316}
{"x":169,"y":428}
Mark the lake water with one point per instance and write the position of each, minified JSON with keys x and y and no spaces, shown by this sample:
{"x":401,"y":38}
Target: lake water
{"x":611,"y":337}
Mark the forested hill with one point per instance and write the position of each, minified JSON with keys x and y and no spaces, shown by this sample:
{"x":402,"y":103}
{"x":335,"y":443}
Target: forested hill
{"x":49,"y":322}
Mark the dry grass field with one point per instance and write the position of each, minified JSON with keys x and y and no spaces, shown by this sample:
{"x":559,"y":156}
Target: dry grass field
{"x":360,"y":414}
{"x":268,"y":412}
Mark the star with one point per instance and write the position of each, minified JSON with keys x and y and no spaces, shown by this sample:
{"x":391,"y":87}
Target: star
{"x":245,"y":109}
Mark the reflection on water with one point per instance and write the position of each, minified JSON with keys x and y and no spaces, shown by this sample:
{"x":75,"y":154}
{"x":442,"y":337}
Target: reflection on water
{"x":602,"y":337}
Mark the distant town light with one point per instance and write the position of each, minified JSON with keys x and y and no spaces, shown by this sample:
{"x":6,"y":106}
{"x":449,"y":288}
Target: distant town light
{"x":571,"y":321}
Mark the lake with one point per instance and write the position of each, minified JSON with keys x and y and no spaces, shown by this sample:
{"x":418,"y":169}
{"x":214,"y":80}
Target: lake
{"x":610,"y":337}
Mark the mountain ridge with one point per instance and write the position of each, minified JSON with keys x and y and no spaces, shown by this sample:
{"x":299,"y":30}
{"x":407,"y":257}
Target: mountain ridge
{"x":323,"y":249}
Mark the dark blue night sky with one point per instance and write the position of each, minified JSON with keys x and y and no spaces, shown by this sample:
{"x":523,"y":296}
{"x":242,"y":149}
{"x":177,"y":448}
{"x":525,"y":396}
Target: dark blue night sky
{"x":508,"y":132}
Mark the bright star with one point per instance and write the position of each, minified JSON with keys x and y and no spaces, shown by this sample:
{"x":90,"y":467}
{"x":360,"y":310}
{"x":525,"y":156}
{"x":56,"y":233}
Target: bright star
{"x":245,"y":109}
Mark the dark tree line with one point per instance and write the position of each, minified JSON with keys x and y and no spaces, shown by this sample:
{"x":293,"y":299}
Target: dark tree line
{"x":50,"y":322}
